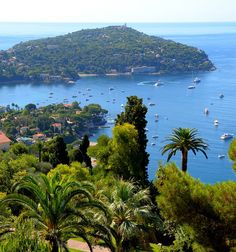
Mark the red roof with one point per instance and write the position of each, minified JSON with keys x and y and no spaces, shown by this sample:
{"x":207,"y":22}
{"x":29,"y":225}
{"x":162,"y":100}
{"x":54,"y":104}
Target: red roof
{"x":4,"y":138}
{"x":68,"y":105}
{"x":56,"y":124}
{"x":39,"y":135}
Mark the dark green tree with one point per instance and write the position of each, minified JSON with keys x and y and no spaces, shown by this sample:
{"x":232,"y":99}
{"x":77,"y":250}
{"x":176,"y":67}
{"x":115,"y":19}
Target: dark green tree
{"x":184,"y":140}
{"x":30,"y":107}
{"x":55,"y":152}
{"x":83,"y":148}
{"x":135,"y":114}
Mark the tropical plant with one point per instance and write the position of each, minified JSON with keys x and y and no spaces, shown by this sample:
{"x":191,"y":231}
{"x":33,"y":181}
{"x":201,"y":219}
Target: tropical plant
{"x":57,"y":208}
{"x":130,"y":212}
{"x":184,"y":140}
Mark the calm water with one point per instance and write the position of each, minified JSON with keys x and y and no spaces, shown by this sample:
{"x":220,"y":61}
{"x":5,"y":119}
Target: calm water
{"x":176,"y":105}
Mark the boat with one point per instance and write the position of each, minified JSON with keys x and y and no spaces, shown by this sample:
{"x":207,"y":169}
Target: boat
{"x":196,"y":80}
{"x":146,"y":129}
{"x":226,"y":136}
{"x":206,"y":111}
{"x":158,"y":83}
{"x":122,"y":105}
{"x":221,"y":156}
{"x":191,"y":87}
{"x":153,"y":144}
{"x":111,"y":88}
{"x":74,"y":96}
{"x":149,"y":98}
{"x":88,"y":89}
{"x":151,"y":104}
{"x":221,"y":96}
{"x":216,"y":122}
{"x":155,"y":136}
{"x":71,"y":82}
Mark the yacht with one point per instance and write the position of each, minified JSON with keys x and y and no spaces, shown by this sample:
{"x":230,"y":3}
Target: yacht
{"x":226,"y":136}
{"x":196,"y":80}
{"x":216,"y":122}
{"x":191,"y":87}
{"x":206,"y":111}
{"x":221,"y":156}
{"x":71,"y":82}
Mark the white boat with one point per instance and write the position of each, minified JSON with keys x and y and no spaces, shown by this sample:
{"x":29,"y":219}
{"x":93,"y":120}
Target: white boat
{"x":122,"y":105}
{"x":221,"y":156}
{"x":206,"y":111}
{"x":226,"y":136}
{"x":153,"y":144}
{"x":191,"y":87}
{"x":216,"y":122}
{"x":71,"y":82}
{"x":196,"y":80}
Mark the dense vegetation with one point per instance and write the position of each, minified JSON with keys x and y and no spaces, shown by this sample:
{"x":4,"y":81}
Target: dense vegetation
{"x":69,"y":120}
{"x":50,"y":193}
{"x":114,"y":49}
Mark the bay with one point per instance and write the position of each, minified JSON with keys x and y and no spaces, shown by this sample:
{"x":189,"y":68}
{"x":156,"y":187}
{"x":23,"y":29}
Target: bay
{"x":176,"y":105}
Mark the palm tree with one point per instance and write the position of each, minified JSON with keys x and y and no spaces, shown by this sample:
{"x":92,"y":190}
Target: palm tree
{"x":130,"y":210}
{"x":184,"y":139}
{"x":57,"y":208}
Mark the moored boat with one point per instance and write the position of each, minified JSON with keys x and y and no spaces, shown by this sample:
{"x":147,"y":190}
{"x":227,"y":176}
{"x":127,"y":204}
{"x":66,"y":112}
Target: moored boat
{"x":226,"y":136}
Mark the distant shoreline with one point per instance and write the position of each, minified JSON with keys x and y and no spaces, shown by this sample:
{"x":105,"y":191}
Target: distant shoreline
{"x":117,"y":74}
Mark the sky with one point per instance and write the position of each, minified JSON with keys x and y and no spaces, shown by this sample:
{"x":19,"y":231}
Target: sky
{"x":118,"y":11}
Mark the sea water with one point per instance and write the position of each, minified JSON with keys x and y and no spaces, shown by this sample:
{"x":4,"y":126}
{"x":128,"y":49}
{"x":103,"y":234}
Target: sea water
{"x":175,"y":104}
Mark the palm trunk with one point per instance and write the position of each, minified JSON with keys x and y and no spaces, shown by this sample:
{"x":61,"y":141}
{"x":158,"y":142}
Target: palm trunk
{"x":55,"y":247}
{"x":184,"y":160}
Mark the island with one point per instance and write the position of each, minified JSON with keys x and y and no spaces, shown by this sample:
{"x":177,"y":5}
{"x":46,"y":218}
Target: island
{"x":111,"y":50}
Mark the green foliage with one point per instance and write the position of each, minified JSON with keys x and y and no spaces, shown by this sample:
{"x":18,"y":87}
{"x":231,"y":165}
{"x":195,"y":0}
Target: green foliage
{"x":19,"y":148}
{"x":54,"y":151}
{"x":184,"y":140}
{"x":24,"y":238}
{"x":124,"y":147}
{"x":60,"y":209}
{"x":73,"y":172}
{"x":130,"y":214}
{"x":135,"y":114}
{"x":98,"y":51}
{"x":30,"y":107}
{"x":232,"y":152}
{"x":207,"y":210}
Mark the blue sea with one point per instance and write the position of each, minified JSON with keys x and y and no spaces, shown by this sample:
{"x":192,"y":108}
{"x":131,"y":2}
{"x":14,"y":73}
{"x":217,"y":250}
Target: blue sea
{"x":176,"y":105}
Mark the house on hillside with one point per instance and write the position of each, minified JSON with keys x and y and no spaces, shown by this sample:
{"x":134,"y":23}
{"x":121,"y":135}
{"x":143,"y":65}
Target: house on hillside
{"x":4,"y":142}
{"x":39,"y":136}
{"x":56,"y":127}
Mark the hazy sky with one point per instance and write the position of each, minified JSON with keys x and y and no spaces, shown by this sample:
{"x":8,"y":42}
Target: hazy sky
{"x":117,"y":10}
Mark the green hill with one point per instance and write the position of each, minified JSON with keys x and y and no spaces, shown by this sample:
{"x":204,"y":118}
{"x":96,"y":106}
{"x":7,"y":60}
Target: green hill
{"x":109,"y":50}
